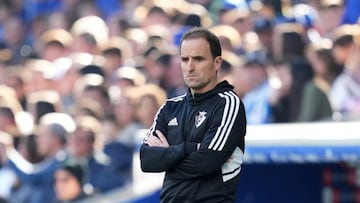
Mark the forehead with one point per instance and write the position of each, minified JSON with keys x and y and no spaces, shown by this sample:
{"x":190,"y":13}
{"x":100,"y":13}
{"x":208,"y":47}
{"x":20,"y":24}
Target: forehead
{"x":197,"y":46}
{"x":80,"y":133}
{"x":61,"y":173}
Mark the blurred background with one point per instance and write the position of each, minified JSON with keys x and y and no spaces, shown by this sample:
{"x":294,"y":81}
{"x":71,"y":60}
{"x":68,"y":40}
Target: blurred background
{"x":81,"y":81}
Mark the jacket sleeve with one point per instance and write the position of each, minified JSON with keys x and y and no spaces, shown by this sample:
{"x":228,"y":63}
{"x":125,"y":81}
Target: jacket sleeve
{"x":159,"y":159}
{"x":226,"y":133}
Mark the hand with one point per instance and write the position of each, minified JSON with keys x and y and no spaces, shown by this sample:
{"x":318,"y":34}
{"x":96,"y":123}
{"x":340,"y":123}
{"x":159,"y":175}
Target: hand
{"x":3,"y":155}
{"x":6,"y":140}
{"x":157,"y":141}
{"x":6,"y":143}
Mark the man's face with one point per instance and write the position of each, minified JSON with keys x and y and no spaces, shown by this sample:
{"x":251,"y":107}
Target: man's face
{"x":66,"y":186}
{"x":341,"y":53}
{"x":198,"y":66}
{"x":80,"y":144}
{"x":44,"y":140}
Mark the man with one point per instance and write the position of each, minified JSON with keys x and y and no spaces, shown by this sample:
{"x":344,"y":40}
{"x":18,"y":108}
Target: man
{"x":52,"y":134}
{"x":69,"y":183}
{"x":101,"y":171}
{"x":198,"y":138}
{"x":257,"y":98}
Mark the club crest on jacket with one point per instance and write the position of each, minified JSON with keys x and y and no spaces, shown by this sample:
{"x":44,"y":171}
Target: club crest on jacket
{"x":200,"y":118}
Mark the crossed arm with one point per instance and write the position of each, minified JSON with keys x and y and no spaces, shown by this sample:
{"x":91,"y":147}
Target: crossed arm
{"x":159,"y":141}
{"x":181,"y":163}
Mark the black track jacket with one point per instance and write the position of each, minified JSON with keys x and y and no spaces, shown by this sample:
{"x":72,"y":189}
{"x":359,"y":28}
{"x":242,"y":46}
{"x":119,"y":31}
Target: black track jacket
{"x":216,"y":119}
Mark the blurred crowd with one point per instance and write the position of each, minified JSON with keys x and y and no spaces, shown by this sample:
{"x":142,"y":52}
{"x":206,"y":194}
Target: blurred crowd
{"x":80,"y":78}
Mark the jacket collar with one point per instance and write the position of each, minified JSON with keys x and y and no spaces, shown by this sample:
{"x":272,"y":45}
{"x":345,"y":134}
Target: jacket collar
{"x":197,"y":98}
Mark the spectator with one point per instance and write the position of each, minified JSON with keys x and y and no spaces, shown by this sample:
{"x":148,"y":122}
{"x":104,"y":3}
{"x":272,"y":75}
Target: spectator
{"x":43,"y":102}
{"x":7,"y":176}
{"x":90,"y":34}
{"x":87,"y":107}
{"x":128,"y":76}
{"x":227,"y":64}
{"x":238,"y":76}
{"x":239,"y":18}
{"x":257,"y":99}
{"x":342,"y":38}
{"x":51,"y":139}
{"x":230,"y":38}
{"x":28,"y":149}
{"x":150,"y":100}
{"x":15,"y":80}
{"x":125,"y":115}
{"x":264,"y":29}
{"x":99,"y":94}
{"x":138,"y":39}
{"x":315,"y":103}
{"x":15,"y":40}
{"x":38,"y":73}
{"x":69,"y":183}
{"x":280,"y":95}
{"x":345,"y":94}
{"x":121,"y":155}
{"x":8,"y":122}
{"x":152,"y":68}
{"x":85,"y":42}
{"x":113,"y":56}
{"x":53,"y":133}
{"x":146,"y":107}
{"x":155,"y":15}
{"x":85,"y":146}
{"x":172,"y":82}
{"x":54,"y":44}
{"x":9,"y":109}
{"x":6,"y":8}
{"x":330,"y":15}
{"x":289,"y":46}
{"x":65,"y":78}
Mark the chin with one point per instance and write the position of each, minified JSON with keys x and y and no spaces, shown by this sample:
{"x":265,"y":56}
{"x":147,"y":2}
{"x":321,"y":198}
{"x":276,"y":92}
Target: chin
{"x":196,"y":88}
{"x":193,"y":86}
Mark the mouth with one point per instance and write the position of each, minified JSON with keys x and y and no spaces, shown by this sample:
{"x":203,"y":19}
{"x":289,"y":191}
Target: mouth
{"x":192,"y":76}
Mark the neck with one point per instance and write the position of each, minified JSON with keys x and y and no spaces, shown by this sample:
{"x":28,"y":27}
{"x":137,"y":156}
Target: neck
{"x":211,"y":85}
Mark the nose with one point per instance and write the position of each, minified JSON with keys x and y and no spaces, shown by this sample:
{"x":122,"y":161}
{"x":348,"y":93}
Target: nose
{"x":189,"y":65}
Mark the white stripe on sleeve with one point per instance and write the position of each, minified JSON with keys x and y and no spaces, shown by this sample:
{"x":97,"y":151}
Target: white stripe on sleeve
{"x":231,"y":110}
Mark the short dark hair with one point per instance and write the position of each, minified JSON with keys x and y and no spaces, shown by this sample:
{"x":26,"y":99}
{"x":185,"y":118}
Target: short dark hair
{"x":112,"y":51}
{"x":101,"y":89}
{"x":343,"y":41}
{"x":75,"y":169}
{"x":8,"y":112}
{"x":59,"y":132}
{"x":211,"y":38}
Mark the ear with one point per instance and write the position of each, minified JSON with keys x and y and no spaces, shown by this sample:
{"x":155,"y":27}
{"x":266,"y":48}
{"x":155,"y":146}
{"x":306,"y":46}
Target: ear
{"x":218,"y":61}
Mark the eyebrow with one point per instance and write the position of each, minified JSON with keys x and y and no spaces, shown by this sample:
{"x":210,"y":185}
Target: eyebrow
{"x":194,"y":57}
{"x":199,"y":57}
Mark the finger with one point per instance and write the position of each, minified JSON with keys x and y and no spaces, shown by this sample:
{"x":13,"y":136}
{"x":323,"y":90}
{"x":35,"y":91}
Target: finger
{"x":148,"y":139}
{"x":161,"y":136}
{"x":154,"y":141}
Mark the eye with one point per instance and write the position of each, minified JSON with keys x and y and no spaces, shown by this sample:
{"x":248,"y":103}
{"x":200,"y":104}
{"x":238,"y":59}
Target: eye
{"x":199,"y":58}
{"x":184,"y":59}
